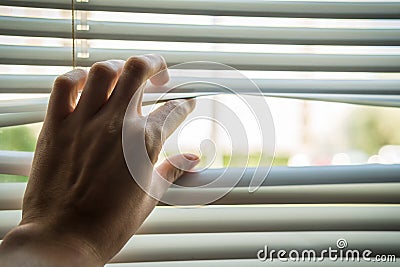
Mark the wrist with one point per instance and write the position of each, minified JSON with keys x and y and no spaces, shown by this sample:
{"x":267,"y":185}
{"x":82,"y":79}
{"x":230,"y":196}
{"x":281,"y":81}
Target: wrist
{"x":39,"y":245}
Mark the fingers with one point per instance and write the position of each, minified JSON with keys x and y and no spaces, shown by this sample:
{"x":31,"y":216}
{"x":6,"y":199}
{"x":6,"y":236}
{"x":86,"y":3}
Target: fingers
{"x":101,"y":80}
{"x":173,"y":168}
{"x":169,"y":116}
{"x":135,"y":73}
{"x":64,"y":94}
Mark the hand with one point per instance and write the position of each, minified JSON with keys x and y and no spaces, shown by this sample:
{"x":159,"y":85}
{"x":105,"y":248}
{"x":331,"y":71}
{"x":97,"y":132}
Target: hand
{"x":81,"y":204}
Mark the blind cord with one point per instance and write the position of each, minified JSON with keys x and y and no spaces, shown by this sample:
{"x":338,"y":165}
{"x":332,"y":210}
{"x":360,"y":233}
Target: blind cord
{"x":73,"y":33}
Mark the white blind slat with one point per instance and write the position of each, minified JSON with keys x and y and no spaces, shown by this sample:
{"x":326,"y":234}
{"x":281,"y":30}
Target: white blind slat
{"x":257,"y":8}
{"x":43,"y":84}
{"x":201,"y":33}
{"x":275,"y":218}
{"x":11,"y":195}
{"x":13,"y":119}
{"x":277,"y":176}
{"x":32,"y":55}
{"x":36,"y":107}
{"x":253,"y":263}
{"x":202,"y":246}
{"x":15,"y":162}
{"x":26,"y":83}
{"x":23,"y":105}
{"x":370,"y":100}
{"x":384,"y":193}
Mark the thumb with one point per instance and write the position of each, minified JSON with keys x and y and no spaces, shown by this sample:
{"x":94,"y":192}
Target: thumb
{"x":169,"y":116}
{"x":173,"y":167}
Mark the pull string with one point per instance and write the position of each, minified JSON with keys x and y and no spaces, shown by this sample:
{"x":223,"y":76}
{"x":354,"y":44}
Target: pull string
{"x":73,"y":33}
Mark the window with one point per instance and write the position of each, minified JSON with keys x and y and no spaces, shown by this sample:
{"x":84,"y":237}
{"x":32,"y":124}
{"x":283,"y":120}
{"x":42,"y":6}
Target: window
{"x":329,"y":71}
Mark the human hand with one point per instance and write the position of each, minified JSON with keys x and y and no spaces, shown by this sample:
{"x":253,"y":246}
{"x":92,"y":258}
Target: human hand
{"x":81,"y":204}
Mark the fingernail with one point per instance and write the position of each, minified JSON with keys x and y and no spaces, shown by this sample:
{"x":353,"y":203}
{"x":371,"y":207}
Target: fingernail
{"x":193,"y":160}
{"x":191,"y":157}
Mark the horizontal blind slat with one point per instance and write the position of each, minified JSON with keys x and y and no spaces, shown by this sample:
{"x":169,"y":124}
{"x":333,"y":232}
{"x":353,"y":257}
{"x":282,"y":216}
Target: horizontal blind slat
{"x":220,"y":219}
{"x":13,"y":119}
{"x":255,"y":263}
{"x":40,"y":27}
{"x":11,"y":111}
{"x":32,"y":55}
{"x":18,"y":163}
{"x":245,"y":245}
{"x":26,"y":83}
{"x":370,"y":100}
{"x":43,"y":84}
{"x":11,"y":194}
{"x":206,"y":253}
{"x":277,"y":176}
{"x":15,"y":162}
{"x":257,"y":8}
{"x":384,"y":193}
{"x":310,"y":194}
{"x":23,"y":105}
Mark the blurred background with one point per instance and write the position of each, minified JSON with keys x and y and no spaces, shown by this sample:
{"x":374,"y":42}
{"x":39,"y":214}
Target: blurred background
{"x":306,"y":132}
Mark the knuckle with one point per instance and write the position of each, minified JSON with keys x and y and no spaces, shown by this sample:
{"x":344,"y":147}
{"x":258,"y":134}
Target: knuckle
{"x":154,"y":130}
{"x":174,"y":173}
{"x":177,"y":107}
{"x":153,"y":141}
{"x":64,"y":82}
{"x":157,"y":58}
{"x":104,"y":69}
{"x":69,"y":80}
{"x":163,"y":62}
{"x":139,"y":64}
{"x":114,"y":126}
{"x":172,"y":104}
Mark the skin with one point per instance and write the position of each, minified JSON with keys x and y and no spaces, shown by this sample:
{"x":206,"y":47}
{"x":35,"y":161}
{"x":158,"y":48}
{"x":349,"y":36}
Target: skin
{"x":81,"y":204}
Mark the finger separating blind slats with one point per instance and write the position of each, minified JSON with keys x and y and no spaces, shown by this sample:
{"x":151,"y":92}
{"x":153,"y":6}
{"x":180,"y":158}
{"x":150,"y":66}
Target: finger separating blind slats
{"x":200,"y":33}
{"x":271,"y":218}
{"x":54,"y":56}
{"x":257,"y":8}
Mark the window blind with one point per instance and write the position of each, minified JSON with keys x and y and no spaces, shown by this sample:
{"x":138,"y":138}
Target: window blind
{"x":295,"y":207}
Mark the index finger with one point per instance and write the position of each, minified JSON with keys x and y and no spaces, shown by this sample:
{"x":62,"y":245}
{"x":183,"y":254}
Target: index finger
{"x":137,"y":70}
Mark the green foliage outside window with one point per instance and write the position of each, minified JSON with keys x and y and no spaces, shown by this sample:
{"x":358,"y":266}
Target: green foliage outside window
{"x":17,"y":138}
